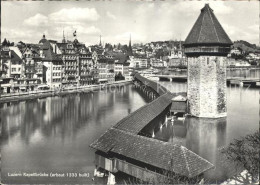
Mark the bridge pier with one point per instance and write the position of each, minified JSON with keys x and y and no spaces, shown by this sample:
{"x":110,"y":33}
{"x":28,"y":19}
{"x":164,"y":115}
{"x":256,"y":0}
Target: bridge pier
{"x":111,"y":179}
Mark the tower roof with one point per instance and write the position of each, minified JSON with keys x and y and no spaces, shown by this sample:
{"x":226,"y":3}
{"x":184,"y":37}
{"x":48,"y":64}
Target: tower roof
{"x":207,"y":30}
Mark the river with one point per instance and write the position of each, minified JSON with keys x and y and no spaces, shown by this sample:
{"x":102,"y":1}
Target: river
{"x":53,"y":135}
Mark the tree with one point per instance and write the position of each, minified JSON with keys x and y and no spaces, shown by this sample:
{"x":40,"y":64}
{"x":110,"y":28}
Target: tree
{"x":119,"y":76}
{"x":108,"y":47}
{"x":159,"y":53}
{"x":4,"y":43}
{"x":125,"y":48}
{"x":244,"y":155}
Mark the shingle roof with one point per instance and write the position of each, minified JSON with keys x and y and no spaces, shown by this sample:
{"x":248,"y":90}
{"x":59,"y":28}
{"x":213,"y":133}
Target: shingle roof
{"x":155,"y":86}
{"x":123,"y":139}
{"x":138,"y":119}
{"x":14,"y":56}
{"x":179,"y":106}
{"x":160,"y":154}
{"x":50,"y":56}
{"x":62,"y":45}
{"x":121,"y":57}
{"x":207,"y":30}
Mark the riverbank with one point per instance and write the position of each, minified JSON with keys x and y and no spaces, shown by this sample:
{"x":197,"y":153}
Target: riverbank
{"x":13,"y":97}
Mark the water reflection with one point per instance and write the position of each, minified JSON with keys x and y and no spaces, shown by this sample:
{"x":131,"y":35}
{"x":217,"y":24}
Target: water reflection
{"x":201,"y":135}
{"x":205,"y":137}
{"x":53,"y":134}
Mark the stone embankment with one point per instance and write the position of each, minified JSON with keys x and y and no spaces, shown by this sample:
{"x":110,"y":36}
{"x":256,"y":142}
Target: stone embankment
{"x":13,"y":97}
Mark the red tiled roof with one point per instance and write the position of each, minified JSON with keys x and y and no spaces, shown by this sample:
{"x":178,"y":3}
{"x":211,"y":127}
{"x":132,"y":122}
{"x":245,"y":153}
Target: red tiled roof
{"x":207,"y":30}
{"x":167,"y":156}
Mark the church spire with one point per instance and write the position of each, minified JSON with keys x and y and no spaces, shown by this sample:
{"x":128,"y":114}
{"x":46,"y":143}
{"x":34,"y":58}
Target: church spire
{"x":63,"y":39}
{"x":100,"y":43}
{"x":130,"y":51}
{"x":130,"y":41}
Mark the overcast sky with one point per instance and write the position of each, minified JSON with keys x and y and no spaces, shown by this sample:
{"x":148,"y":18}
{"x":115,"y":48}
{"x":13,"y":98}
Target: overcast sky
{"x":115,"y":20}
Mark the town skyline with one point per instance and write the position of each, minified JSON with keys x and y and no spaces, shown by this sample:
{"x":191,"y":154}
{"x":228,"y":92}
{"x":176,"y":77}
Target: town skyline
{"x":115,"y":21}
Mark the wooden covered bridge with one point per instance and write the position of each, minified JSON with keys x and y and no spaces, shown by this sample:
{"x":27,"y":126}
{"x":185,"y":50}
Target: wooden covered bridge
{"x":122,"y":148}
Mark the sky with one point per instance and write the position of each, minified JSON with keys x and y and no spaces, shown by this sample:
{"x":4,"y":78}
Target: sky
{"x":115,"y":20}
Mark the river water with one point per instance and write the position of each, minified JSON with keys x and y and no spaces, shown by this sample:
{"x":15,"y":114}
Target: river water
{"x":53,"y":135}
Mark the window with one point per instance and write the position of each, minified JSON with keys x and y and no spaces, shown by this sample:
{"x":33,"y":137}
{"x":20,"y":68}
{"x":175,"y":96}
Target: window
{"x":13,"y":69}
{"x":208,"y":60}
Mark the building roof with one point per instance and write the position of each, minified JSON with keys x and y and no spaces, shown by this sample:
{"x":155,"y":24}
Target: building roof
{"x":121,"y":57}
{"x":167,"y":156}
{"x":179,"y":106}
{"x":50,"y":55}
{"x":61,"y":45}
{"x":123,"y":139}
{"x":155,"y":86}
{"x":207,"y":30}
{"x":14,"y":56}
{"x":138,"y":119}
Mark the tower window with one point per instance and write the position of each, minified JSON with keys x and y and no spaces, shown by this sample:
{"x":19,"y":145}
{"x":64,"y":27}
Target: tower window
{"x":208,"y":60}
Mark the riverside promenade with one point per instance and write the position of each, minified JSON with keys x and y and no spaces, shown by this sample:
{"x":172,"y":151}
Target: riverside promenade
{"x":15,"y":97}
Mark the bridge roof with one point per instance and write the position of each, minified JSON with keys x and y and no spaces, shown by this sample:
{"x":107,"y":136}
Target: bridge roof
{"x":167,"y":156}
{"x":207,"y":30}
{"x":138,"y":119}
{"x":149,"y":83}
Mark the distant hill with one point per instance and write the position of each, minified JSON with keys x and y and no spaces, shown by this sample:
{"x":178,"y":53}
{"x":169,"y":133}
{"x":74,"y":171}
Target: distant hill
{"x":246,"y":46}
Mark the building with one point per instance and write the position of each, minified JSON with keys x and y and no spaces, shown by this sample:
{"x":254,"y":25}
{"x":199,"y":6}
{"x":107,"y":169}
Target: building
{"x":5,"y":73}
{"x":94,"y":56}
{"x":231,"y":62}
{"x":139,"y":61}
{"x":157,"y":63}
{"x":106,"y":66}
{"x":86,"y":65}
{"x":5,"y":62}
{"x":122,"y":65}
{"x":176,"y":52}
{"x":235,"y":51}
{"x":177,"y":62}
{"x":207,"y":47}
{"x":70,"y":59}
{"x":31,"y":57}
{"x":52,"y":65}
{"x":17,"y":67}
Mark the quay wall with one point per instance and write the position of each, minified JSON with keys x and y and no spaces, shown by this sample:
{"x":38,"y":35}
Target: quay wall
{"x":4,"y":98}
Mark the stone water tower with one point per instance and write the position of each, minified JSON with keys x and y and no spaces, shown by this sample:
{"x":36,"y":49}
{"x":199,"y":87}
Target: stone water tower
{"x":206,"y":48}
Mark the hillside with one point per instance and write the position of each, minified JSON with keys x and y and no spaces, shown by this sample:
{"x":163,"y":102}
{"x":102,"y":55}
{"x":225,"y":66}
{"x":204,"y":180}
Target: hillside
{"x":246,"y":46}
